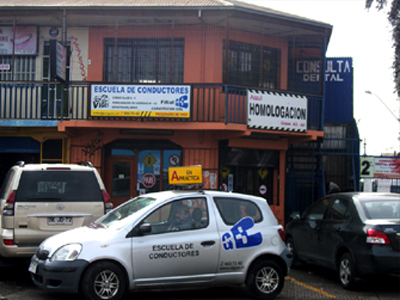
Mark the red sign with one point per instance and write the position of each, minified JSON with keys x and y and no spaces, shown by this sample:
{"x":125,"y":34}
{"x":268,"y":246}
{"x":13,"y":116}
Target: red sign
{"x":148,"y":180}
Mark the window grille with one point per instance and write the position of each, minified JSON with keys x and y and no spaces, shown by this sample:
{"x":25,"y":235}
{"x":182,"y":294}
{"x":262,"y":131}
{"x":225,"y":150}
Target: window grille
{"x":248,"y":67}
{"x":24,"y":68}
{"x":144,"y":60}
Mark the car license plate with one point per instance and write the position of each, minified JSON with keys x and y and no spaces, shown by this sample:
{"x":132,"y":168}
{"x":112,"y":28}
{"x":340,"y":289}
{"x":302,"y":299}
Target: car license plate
{"x":32,"y":267}
{"x":59,"y":221}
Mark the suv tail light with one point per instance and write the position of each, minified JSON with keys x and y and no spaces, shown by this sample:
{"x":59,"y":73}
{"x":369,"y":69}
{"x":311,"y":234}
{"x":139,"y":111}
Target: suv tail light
{"x":8,"y":209}
{"x":8,"y":242}
{"x":108,"y":206}
{"x":377,"y":237}
{"x":281,"y":234}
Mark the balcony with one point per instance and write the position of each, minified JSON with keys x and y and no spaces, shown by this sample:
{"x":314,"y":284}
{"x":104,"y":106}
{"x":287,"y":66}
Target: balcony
{"x":54,"y":101}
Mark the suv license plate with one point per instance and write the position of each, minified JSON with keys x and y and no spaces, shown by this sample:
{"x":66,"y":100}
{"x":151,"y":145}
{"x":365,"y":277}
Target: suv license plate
{"x":59,"y":221}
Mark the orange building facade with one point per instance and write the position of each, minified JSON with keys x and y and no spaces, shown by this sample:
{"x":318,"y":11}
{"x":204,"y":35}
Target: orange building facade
{"x":147,"y":88}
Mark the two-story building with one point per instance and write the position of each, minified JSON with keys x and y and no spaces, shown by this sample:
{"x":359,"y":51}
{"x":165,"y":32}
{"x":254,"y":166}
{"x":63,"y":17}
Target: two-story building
{"x":138,"y":86}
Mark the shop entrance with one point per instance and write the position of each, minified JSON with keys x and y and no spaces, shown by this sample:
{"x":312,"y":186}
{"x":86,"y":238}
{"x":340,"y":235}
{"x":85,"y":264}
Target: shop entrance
{"x":137,"y":167}
{"x":121,"y":178}
{"x":248,"y":180}
{"x":249,"y":171}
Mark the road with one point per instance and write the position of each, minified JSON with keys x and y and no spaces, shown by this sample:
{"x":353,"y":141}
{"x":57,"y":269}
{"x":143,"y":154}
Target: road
{"x":304,"y":282}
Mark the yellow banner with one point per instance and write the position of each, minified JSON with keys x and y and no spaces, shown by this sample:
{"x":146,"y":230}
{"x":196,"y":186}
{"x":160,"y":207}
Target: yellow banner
{"x":185,"y":175}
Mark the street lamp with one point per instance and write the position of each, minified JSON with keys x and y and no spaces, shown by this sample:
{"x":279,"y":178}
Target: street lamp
{"x":371,"y":93}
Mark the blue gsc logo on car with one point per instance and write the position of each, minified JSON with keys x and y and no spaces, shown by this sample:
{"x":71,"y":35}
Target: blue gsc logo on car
{"x":240,"y":236}
{"x":182,"y":102}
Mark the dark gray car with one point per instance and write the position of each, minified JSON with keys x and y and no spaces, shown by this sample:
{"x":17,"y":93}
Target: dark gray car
{"x":355,"y":233}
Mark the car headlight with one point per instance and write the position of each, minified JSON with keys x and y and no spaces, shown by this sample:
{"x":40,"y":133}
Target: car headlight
{"x":67,"y":253}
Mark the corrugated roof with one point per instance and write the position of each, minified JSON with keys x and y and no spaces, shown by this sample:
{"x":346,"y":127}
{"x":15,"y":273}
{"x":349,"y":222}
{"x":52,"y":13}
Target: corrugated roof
{"x":204,"y":4}
{"x":112,"y":3}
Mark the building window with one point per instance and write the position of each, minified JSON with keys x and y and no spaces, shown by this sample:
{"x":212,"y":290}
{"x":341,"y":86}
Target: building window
{"x":252,"y":65}
{"x":144,"y":60}
{"x":24,"y":68}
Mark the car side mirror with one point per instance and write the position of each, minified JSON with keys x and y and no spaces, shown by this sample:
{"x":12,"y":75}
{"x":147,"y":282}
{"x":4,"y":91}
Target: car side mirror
{"x":142,"y":229}
{"x":295,"y":215}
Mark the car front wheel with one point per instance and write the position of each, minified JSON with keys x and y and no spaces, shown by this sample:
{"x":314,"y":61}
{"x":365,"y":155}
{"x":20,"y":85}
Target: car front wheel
{"x":104,"y":281}
{"x":265,"y":279}
{"x":347,"y":273}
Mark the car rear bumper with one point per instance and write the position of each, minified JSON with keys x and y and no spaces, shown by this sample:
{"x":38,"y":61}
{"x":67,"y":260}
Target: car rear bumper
{"x":14,"y":250}
{"x":381,"y":259}
{"x":57,"y":276}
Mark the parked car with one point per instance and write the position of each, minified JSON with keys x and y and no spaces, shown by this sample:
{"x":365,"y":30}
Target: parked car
{"x":39,"y":200}
{"x":169,"y":239}
{"x":354,"y":233}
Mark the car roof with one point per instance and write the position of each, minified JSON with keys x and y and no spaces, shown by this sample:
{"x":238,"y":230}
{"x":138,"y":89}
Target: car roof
{"x":367,"y":196}
{"x":53,"y":167}
{"x":198,"y":193}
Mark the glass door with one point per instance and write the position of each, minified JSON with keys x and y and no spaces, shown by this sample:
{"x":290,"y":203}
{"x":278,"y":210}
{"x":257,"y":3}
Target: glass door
{"x":121,"y":179}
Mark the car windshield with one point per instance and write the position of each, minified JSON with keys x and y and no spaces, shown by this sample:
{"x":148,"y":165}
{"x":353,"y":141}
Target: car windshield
{"x":121,"y":215}
{"x":382,"y":209}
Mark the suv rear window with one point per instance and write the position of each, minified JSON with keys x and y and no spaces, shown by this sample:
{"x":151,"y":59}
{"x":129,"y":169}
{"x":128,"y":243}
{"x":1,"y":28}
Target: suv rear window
{"x":58,"y":186}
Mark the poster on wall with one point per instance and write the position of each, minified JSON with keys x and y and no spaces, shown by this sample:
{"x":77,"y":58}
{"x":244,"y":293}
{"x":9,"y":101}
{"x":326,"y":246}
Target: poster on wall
{"x":387,"y":168}
{"x":379,"y":167}
{"x":383,"y":185}
{"x":141,"y":101}
{"x":276,"y":111}
{"x":25,"y":40}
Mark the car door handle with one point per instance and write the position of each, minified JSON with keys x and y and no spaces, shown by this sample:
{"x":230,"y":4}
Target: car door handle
{"x":207,"y":243}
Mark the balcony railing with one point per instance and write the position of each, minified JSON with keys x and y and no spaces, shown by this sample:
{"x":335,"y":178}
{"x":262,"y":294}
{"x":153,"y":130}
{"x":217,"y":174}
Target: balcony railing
{"x":71,"y":101}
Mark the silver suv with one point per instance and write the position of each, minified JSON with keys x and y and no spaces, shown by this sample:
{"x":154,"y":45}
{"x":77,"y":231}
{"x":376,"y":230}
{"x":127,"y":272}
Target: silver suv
{"x":40,"y":200}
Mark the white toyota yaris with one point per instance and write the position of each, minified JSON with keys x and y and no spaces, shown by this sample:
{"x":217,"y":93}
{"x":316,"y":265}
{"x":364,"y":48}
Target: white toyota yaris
{"x":167,"y":239}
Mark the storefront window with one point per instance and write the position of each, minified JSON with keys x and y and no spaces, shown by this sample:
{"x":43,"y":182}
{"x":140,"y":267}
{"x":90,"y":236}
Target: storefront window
{"x":171,"y":158}
{"x":148,"y":170}
{"x":248,"y":171}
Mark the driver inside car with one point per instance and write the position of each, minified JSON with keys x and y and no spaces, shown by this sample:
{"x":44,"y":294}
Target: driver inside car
{"x":182,"y":219}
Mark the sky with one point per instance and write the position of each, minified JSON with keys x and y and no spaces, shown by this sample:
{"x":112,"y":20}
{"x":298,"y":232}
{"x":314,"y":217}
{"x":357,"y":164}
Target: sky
{"x":366,"y":36}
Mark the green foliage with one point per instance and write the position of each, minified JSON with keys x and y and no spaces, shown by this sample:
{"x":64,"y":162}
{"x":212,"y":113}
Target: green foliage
{"x":379,"y":3}
{"x":393,"y":17}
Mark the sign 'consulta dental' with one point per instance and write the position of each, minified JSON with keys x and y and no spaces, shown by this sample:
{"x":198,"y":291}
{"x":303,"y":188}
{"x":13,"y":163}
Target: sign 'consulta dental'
{"x":142,"y":101}
{"x":276,"y":111}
